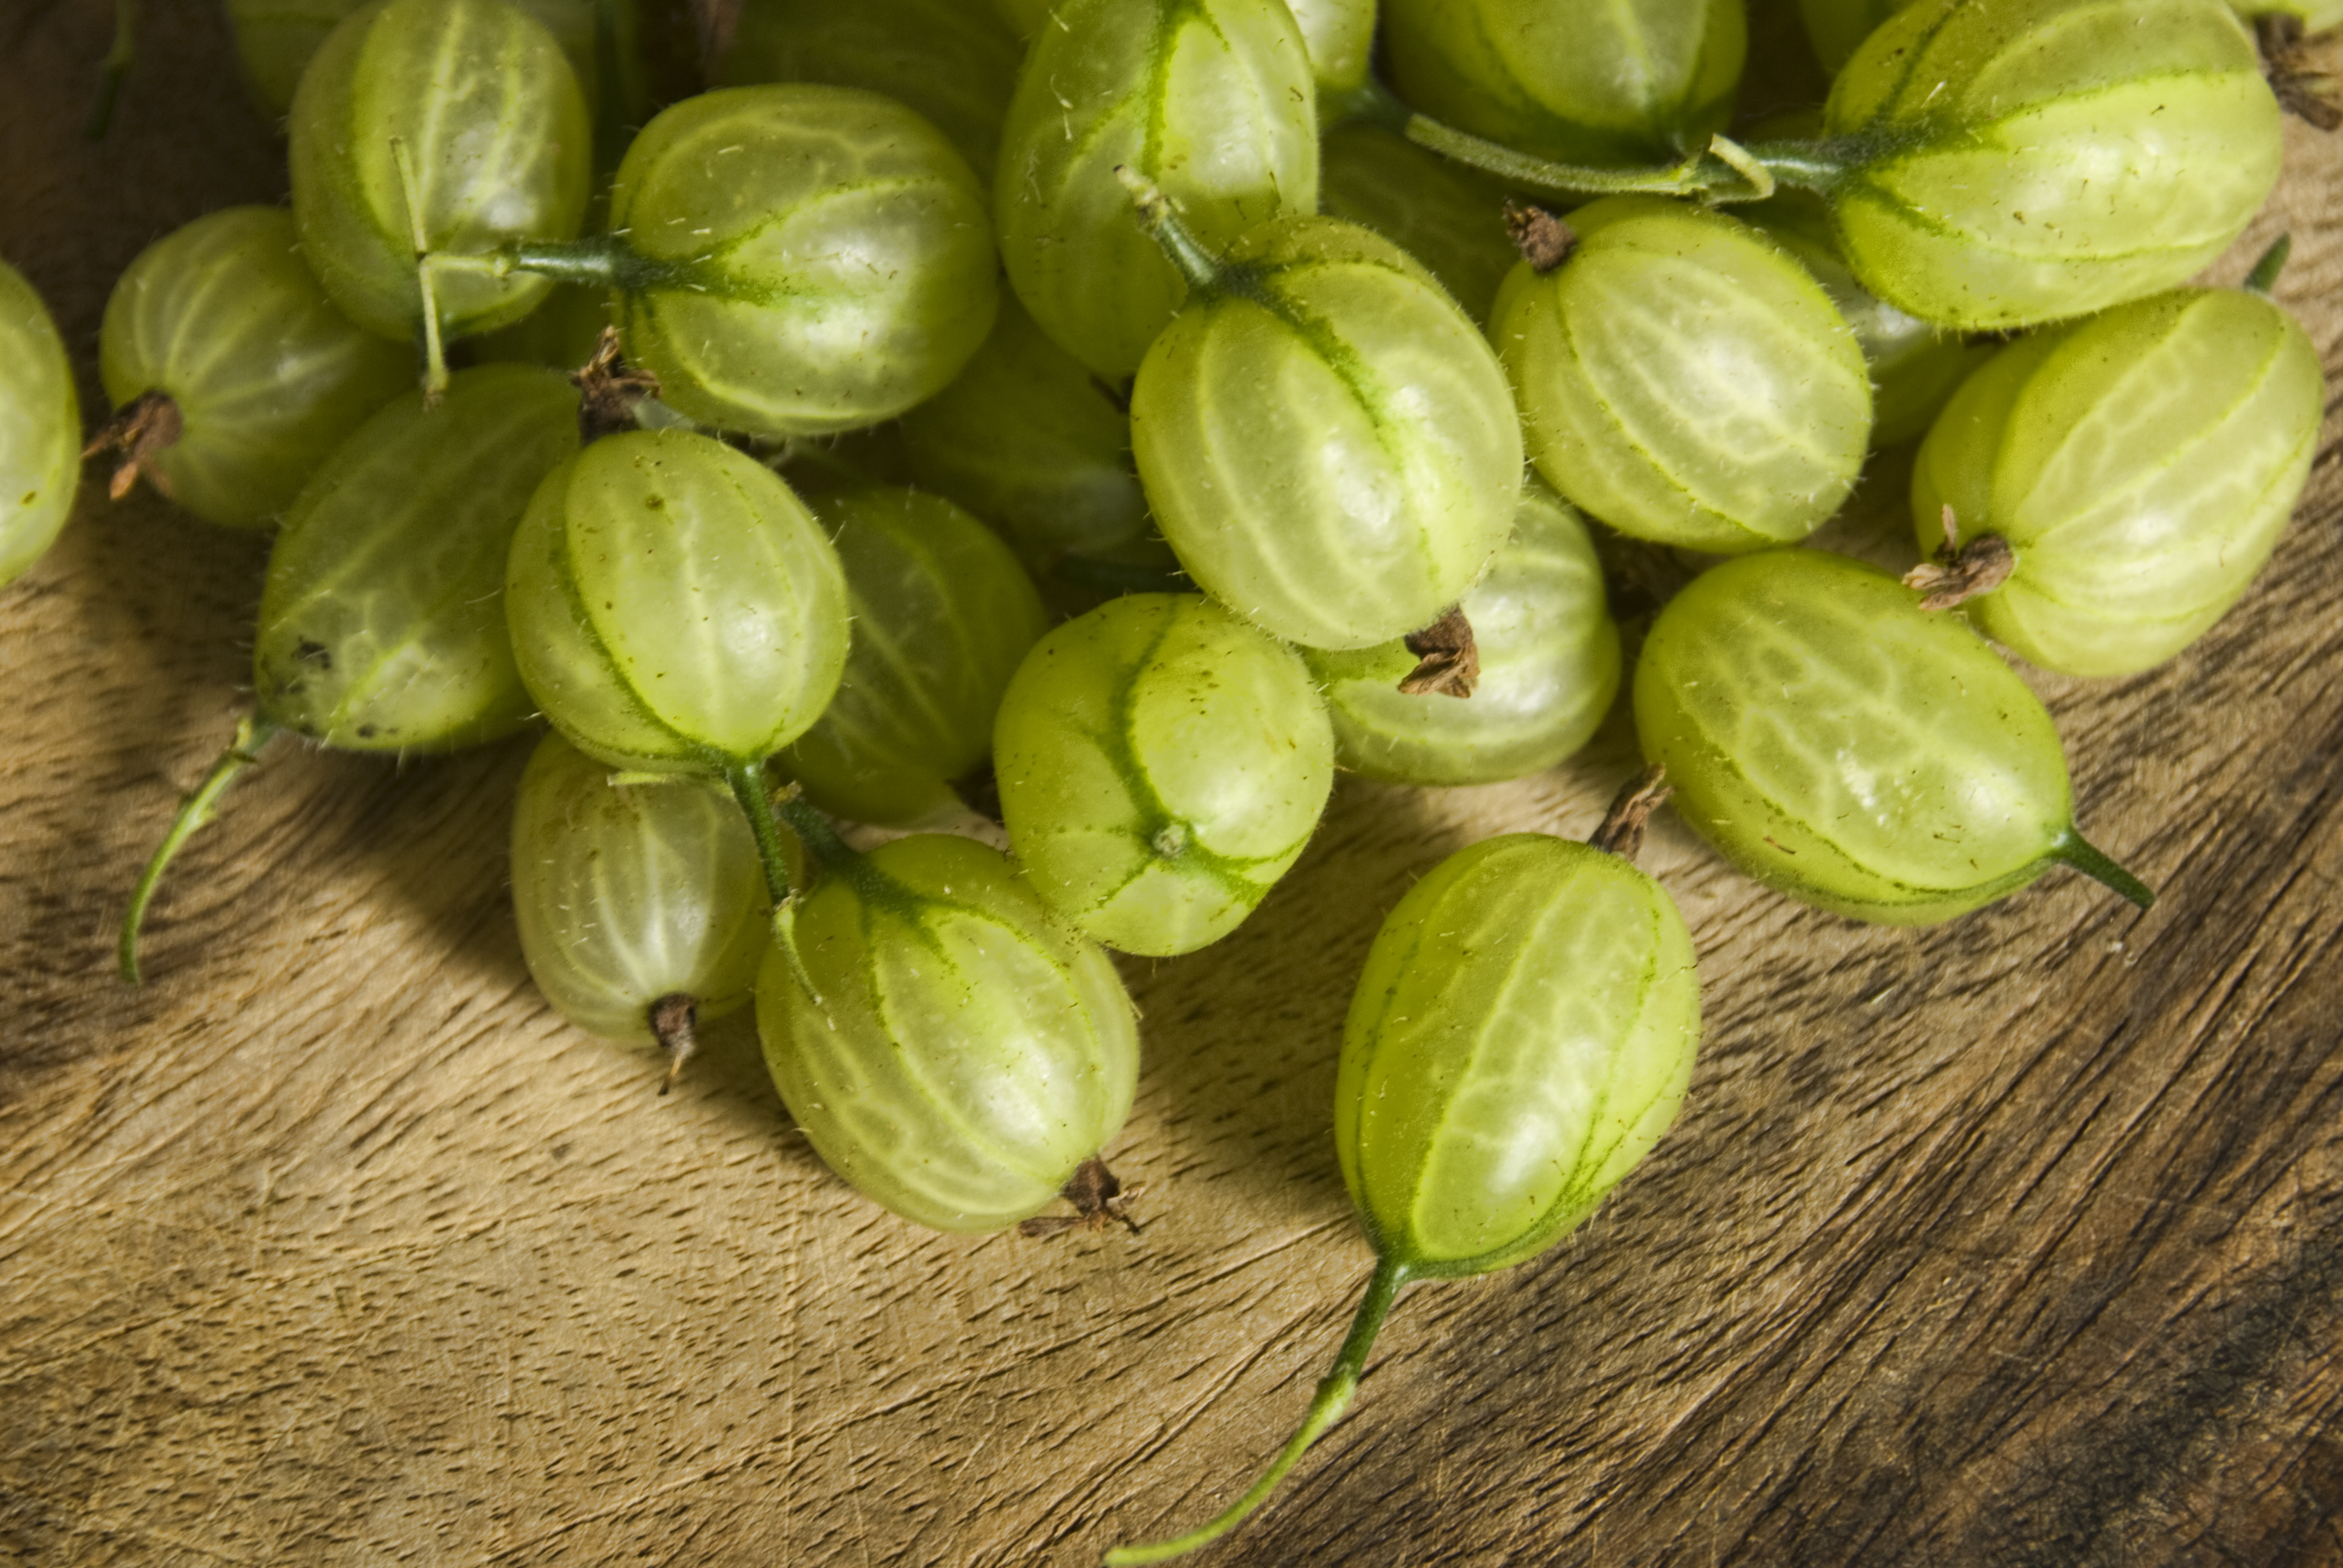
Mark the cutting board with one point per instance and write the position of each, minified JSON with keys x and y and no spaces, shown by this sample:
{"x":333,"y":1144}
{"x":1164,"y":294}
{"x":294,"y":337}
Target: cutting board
{"x":2012,"y":1241}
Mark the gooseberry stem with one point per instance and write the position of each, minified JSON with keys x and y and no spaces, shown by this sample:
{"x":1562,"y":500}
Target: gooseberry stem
{"x":2073,"y":850}
{"x":1197,"y":263}
{"x":1333,"y":1397}
{"x":435,"y":354}
{"x":252,"y":735}
{"x":748,"y":782}
{"x":2263,"y":276}
{"x":111,"y":71}
{"x":813,"y":828}
{"x":599,"y":261}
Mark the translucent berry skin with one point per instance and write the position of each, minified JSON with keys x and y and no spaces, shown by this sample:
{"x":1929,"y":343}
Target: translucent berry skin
{"x":941,"y":614}
{"x":495,"y":128}
{"x":1326,"y":441}
{"x":2021,"y":161}
{"x":276,"y":39}
{"x":1684,"y":380}
{"x":1581,"y":83}
{"x":674,"y":606}
{"x":1520,"y":1038}
{"x":1340,"y":36}
{"x":1027,"y":439}
{"x":949,"y":1047}
{"x":2142,"y":463}
{"x":1844,"y":746}
{"x":40,"y":427}
{"x":1450,"y":217}
{"x":1211,"y":99}
{"x":1838,"y":27}
{"x":629,"y":893}
{"x":953,"y":63}
{"x":1160,"y":765}
{"x":1549,"y":655}
{"x":382,"y":620}
{"x":811,"y":258}
{"x":225,"y":317}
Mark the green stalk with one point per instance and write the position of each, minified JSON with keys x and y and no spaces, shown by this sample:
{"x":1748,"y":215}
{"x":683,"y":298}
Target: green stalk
{"x":2073,"y":850}
{"x":1203,"y":270}
{"x":748,"y":782}
{"x":599,"y":261}
{"x":2263,"y":276}
{"x":112,"y":69}
{"x":1333,"y":1397}
{"x":251,"y":736}
{"x":813,"y":830}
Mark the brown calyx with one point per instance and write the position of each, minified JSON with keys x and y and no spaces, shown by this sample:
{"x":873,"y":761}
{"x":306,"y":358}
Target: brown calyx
{"x":1622,"y":832}
{"x":1962,"y":572}
{"x":675,"y":1022}
{"x":1449,"y":661}
{"x":141,"y":432}
{"x":608,"y":391}
{"x":1544,"y":241}
{"x":2303,"y":90}
{"x":1098,"y":1197}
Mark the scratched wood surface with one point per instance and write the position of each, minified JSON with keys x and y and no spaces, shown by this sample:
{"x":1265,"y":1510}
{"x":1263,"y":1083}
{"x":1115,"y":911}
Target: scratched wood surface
{"x":2012,"y":1241}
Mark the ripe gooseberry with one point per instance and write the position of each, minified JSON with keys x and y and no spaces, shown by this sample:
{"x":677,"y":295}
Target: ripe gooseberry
{"x":2136,"y":468}
{"x":1160,"y":765}
{"x":641,"y":907}
{"x":382,"y":618}
{"x":675,"y":608}
{"x":1327,"y":443}
{"x":1844,"y":746}
{"x":40,"y":427}
{"x":1683,"y":379}
{"x":233,"y":375}
{"x":1520,"y":1038}
{"x":1583,"y":84}
{"x":941,"y":614}
{"x":1548,"y":655}
{"x":1212,"y":99}
{"x":948,"y":1046}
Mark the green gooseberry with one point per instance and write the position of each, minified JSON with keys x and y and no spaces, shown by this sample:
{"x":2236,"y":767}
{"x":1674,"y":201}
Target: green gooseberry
{"x":1997,"y":163}
{"x":1549,"y":668}
{"x":1684,"y":380}
{"x":40,"y":427}
{"x":1027,"y":439}
{"x":1915,"y":364}
{"x":382,"y":617}
{"x":1211,"y":99}
{"x":942,"y":614}
{"x":1339,"y":36}
{"x":1836,"y":28}
{"x":276,"y":39}
{"x":1844,"y":746}
{"x":2139,"y":465}
{"x":1160,"y":765}
{"x":1326,"y":441}
{"x":1447,"y":215}
{"x":948,"y":1046}
{"x":2026,"y":160}
{"x":641,"y":909}
{"x":675,"y":608}
{"x":234,"y":374}
{"x":1588,"y":84}
{"x":790,"y":259}
{"x":427,"y":125}
{"x":1522,"y":1037}
{"x":953,"y":62}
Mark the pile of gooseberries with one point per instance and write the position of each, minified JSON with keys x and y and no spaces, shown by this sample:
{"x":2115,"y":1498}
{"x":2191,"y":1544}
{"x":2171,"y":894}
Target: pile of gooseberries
{"x":1119,"y":417}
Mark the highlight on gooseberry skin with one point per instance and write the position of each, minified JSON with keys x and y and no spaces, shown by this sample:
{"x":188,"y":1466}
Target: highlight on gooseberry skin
{"x":1844,"y":746}
{"x":952,"y":1049}
{"x":2139,"y":466}
{"x":40,"y":427}
{"x":1522,"y":1037}
{"x":1160,"y":764}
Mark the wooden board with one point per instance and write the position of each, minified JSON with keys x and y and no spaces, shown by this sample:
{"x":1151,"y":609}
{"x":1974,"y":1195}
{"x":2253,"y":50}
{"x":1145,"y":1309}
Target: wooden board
{"x":2009,"y":1242}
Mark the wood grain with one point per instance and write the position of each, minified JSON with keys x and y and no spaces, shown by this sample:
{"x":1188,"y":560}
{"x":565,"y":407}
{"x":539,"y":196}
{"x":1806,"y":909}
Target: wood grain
{"x":2008,"y":1242}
